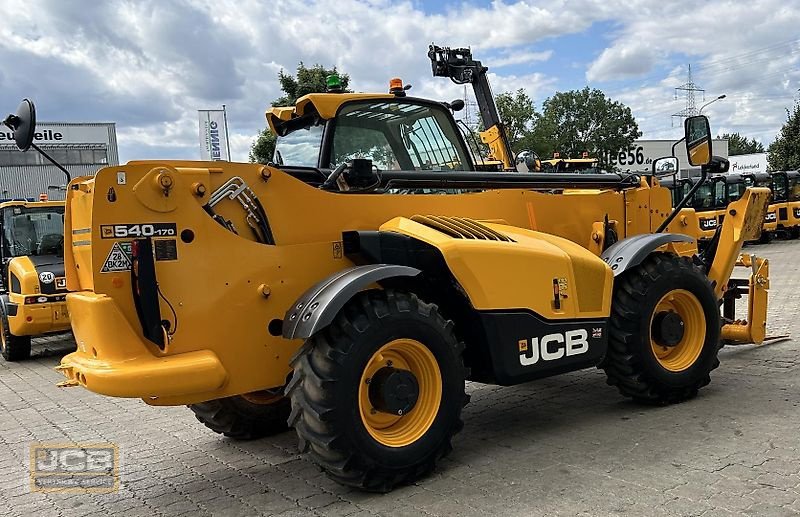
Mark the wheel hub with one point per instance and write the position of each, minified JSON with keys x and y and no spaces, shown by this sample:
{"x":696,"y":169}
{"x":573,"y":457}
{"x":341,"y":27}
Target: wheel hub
{"x":668,"y":328}
{"x":393,"y":391}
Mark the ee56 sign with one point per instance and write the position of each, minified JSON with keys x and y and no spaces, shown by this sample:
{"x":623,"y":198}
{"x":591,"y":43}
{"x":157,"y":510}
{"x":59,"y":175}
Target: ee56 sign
{"x":633,"y":156}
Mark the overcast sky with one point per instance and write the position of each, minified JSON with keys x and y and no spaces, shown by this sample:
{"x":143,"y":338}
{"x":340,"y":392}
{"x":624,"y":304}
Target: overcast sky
{"x":149,"y":65}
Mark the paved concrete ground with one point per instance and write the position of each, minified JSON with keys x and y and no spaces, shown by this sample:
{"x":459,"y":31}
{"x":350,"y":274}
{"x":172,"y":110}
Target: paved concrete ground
{"x":562,"y":446}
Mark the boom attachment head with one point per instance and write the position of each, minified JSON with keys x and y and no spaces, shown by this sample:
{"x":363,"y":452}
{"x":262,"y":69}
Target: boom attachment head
{"x":458,"y":65}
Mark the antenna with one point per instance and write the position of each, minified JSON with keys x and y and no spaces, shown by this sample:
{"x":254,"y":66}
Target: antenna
{"x":469,"y":112}
{"x":689,"y":87}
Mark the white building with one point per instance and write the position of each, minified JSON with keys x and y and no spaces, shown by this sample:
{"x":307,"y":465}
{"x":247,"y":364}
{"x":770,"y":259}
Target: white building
{"x":82,"y":148}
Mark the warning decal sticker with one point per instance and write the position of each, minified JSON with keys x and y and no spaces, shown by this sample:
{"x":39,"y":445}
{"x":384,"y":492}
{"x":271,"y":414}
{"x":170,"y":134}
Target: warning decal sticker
{"x":119,"y":258}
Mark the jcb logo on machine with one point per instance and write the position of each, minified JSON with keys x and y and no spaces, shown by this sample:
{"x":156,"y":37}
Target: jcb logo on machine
{"x":770,"y":217}
{"x":61,"y":283}
{"x":708,"y":224}
{"x":555,"y":346}
{"x":797,"y":213}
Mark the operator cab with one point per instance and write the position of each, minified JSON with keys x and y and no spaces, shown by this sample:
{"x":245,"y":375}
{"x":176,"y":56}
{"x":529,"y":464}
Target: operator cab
{"x":351,"y":141}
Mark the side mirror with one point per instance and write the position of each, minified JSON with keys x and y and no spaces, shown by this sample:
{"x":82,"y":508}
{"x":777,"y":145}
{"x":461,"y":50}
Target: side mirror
{"x":666,"y":166}
{"x":456,"y":105}
{"x":23,"y":124}
{"x":698,"y":140}
{"x":528,"y":161}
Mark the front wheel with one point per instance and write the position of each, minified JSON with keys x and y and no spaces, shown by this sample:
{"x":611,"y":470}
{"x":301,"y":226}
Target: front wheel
{"x":12,"y":348}
{"x":664,"y":331}
{"x":377,"y":396}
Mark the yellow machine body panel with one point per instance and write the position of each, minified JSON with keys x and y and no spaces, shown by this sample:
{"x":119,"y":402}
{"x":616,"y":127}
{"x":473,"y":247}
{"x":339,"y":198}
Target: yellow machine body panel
{"x":43,"y":313}
{"x":211,"y":275}
{"x":528,"y":271}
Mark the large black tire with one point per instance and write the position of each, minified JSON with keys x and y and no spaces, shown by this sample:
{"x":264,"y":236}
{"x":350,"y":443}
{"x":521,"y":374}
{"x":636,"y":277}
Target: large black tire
{"x":632,"y":364}
{"x":325,"y":391}
{"x":241,"y":419}
{"x":13,"y":348}
{"x":766,"y":237}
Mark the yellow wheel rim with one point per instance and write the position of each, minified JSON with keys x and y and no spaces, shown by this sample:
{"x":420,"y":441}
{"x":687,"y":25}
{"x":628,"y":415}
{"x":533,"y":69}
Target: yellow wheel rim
{"x":400,"y":430}
{"x":683,"y":354}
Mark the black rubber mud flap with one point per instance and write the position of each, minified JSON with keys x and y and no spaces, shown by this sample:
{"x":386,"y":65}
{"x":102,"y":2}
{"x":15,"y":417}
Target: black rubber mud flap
{"x":145,"y":290}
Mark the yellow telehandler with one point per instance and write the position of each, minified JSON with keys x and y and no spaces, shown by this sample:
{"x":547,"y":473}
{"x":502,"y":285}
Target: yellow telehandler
{"x":355,"y":284}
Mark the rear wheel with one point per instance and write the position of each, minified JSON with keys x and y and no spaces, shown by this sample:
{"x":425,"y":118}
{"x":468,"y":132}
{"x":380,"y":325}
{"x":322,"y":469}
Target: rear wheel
{"x":377,"y":396}
{"x":766,"y":237}
{"x":245,"y":417}
{"x":13,"y":348}
{"x":664,"y":331}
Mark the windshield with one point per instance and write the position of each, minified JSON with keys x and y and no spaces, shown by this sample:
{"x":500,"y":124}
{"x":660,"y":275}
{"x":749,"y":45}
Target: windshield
{"x":794,"y":188}
{"x":779,"y":187}
{"x":735,"y":191}
{"x":704,"y":197}
{"x":398,"y":136}
{"x":33,"y":231}
{"x":300,"y":148}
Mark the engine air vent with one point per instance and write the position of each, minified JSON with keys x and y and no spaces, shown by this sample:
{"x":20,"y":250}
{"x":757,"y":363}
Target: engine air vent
{"x":461,"y":228}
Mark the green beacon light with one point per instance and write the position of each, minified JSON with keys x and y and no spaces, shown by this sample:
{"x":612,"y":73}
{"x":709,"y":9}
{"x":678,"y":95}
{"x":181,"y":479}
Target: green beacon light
{"x":333,"y":83}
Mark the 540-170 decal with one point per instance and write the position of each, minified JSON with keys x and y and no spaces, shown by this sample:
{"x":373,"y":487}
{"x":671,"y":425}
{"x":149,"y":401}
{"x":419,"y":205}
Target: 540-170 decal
{"x":126,"y":231}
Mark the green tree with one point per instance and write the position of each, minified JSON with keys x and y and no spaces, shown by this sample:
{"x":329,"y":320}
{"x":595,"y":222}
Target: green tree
{"x":784,"y":152}
{"x":263,"y":147}
{"x":738,"y":144}
{"x":307,"y":80}
{"x":518,"y":114}
{"x":584,"y":120}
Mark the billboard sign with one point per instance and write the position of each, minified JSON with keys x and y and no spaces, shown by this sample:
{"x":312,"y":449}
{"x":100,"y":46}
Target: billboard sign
{"x":641,"y":155}
{"x":748,"y":163}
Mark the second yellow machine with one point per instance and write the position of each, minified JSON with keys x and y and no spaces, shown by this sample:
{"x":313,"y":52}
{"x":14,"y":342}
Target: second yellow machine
{"x":33,"y":295}
{"x":353,"y":286}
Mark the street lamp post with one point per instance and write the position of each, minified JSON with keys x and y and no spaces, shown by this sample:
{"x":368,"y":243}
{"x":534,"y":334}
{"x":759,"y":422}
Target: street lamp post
{"x":711,"y":102}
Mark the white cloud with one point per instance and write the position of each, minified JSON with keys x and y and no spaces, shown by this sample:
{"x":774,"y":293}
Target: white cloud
{"x":149,"y":65}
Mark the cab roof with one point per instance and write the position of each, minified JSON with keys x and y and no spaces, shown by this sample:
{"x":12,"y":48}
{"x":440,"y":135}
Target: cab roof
{"x":324,"y":104}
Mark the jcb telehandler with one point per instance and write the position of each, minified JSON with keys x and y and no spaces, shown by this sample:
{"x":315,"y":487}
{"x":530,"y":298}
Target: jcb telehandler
{"x":355,"y":284}
{"x":34,"y":288}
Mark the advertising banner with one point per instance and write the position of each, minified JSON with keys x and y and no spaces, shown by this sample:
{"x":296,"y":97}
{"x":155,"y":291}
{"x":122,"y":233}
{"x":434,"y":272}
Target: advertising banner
{"x":213,"y":135}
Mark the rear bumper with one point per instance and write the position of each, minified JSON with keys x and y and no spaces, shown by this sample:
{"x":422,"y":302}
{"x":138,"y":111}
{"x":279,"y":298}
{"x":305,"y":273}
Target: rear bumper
{"x":113,"y":359}
{"x":40,"y":318}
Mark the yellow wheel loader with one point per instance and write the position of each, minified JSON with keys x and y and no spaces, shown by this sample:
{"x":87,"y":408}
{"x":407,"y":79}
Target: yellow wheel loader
{"x":34,"y":288}
{"x":33,"y":298}
{"x":354,"y":285}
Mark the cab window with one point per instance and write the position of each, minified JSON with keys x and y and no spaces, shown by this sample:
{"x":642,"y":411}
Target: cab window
{"x":398,"y":136}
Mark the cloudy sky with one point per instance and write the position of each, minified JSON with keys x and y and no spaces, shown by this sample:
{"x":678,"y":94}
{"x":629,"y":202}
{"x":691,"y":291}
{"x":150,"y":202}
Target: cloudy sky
{"x":149,"y":65}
